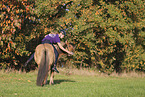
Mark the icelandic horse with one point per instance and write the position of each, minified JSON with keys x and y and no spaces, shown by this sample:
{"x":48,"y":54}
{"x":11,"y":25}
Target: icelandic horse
{"x":45,"y":57}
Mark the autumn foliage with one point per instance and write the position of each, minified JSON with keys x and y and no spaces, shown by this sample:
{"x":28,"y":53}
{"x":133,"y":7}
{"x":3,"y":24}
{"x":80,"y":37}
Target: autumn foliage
{"x":108,"y":34}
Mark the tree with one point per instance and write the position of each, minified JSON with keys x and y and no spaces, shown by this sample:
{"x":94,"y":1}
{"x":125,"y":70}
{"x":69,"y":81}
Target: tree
{"x":109,"y":35}
{"x":17,"y":22}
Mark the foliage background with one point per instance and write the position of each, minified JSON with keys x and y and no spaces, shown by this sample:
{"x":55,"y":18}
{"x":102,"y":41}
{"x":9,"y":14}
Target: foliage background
{"x":109,"y":34}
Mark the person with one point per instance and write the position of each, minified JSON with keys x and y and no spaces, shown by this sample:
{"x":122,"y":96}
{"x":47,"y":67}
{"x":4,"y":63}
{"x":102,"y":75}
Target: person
{"x":53,"y":38}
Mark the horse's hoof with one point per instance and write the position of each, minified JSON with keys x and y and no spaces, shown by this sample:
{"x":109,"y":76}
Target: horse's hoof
{"x":42,"y":85}
{"x":51,"y":83}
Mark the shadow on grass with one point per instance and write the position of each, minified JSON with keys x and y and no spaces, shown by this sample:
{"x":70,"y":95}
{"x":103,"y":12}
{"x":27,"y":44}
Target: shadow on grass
{"x":61,"y":81}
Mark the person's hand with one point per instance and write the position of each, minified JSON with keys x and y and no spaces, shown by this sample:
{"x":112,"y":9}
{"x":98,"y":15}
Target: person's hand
{"x":46,"y":35}
{"x":71,"y":53}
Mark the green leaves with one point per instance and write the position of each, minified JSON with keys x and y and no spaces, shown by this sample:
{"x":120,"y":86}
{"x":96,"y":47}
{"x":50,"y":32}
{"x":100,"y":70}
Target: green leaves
{"x":113,"y":24}
{"x":109,"y":35}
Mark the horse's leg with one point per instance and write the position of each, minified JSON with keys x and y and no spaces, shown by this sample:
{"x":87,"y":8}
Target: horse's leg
{"x":49,"y":74}
{"x":46,"y":76}
{"x":51,"y":77}
{"x":45,"y":79}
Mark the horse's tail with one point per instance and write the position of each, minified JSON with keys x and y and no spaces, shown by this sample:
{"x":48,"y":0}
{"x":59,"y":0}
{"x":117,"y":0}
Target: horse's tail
{"x":43,"y":68}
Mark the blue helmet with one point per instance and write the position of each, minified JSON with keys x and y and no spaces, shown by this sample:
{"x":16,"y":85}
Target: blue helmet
{"x":63,"y":32}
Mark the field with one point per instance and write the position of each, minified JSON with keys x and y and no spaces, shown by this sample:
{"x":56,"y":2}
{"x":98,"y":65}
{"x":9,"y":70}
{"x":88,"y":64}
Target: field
{"x":19,"y":84}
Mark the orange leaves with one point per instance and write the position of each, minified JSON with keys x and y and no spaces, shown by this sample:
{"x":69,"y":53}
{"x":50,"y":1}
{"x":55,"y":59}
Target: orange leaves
{"x":97,"y":13}
{"x":17,"y":11}
{"x":106,"y":23}
{"x":1,"y":24}
{"x":27,"y":9}
{"x":8,"y":9}
{"x":9,"y":21}
{"x":29,"y":81}
{"x":24,"y":0}
{"x":3,"y":6}
{"x":13,"y":16}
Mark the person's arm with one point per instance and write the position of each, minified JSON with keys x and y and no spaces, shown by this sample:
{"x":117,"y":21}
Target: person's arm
{"x":46,"y":35}
{"x":62,"y":48}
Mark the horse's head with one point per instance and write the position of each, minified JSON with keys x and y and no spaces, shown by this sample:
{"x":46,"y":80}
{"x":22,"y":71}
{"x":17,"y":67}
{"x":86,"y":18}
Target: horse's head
{"x":69,"y":46}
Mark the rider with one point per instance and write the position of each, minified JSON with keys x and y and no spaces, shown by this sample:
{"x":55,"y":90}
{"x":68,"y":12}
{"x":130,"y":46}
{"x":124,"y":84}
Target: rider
{"x":53,"y":38}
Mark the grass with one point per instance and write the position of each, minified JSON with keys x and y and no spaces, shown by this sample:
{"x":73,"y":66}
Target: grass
{"x":17,"y":84}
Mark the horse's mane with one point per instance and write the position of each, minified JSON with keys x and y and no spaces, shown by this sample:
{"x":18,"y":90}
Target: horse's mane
{"x":63,"y":44}
{"x":57,"y":47}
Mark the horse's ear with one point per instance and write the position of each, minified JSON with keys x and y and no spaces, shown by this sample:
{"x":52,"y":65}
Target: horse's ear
{"x":74,"y":46}
{"x":66,"y":42}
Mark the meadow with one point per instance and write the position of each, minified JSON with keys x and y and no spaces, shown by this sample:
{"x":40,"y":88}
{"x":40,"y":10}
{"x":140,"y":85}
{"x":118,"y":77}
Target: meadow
{"x":70,"y":84}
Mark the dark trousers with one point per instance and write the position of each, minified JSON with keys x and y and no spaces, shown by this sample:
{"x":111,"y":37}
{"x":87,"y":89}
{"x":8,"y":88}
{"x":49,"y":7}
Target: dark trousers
{"x":55,"y":51}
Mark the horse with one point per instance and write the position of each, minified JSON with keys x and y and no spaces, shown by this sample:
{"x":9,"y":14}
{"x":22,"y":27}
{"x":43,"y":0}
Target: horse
{"x":45,"y":57}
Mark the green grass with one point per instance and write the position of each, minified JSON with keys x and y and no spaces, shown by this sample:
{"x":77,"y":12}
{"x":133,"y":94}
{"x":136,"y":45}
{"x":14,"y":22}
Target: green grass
{"x":24,"y":85}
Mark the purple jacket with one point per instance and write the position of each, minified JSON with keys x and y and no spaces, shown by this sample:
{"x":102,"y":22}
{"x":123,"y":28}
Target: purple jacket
{"x":53,"y":38}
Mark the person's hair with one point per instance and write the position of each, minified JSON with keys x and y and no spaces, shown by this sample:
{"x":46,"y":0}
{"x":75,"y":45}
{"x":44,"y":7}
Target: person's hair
{"x":54,"y":32}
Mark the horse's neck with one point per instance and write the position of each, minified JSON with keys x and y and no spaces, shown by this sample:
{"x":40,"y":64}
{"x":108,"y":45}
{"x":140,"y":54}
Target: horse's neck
{"x":58,"y":49}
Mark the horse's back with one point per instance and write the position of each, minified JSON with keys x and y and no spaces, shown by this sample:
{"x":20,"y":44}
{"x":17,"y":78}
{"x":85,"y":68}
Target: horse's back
{"x":39,"y":52}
